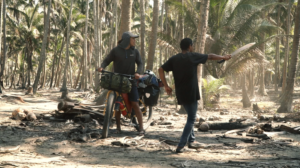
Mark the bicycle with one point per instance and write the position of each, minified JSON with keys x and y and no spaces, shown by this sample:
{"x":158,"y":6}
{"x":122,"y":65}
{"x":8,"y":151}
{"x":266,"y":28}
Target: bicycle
{"x":119,"y":101}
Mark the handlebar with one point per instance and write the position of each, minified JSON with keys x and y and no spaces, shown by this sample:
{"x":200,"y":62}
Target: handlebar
{"x":129,"y":76}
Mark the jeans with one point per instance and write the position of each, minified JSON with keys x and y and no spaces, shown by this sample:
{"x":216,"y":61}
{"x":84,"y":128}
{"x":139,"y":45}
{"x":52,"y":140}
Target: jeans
{"x":188,"y":131}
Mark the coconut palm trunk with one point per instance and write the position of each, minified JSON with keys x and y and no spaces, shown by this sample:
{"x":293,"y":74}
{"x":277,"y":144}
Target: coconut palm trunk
{"x":246,"y":100}
{"x":100,"y":12}
{"x":85,"y":75}
{"x":142,"y":33}
{"x":57,"y":78}
{"x":64,"y":86}
{"x":1,"y":19}
{"x":4,"y":42}
{"x":181,"y":22}
{"x":277,"y":59}
{"x":43,"y":52}
{"x":14,"y":73}
{"x":262,"y":90}
{"x":111,"y":39}
{"x":23,"y":72}
{"x":202,"y":29}
{"x":287,"y":97}
{"x":287,"y":47}
{"x":251,"y":81}
{"x":153,"y":36}
{"x":96,"y":46}
{"x":125,"y":17}
{"x":116,"y":22}
{"x":43,"y":80}
{"x":161,"y":29}
{"x":80,"y":69}
{"x":54,"y":62}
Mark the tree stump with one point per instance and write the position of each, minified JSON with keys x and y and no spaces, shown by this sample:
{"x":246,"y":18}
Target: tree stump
{"x":64,"y":94}
{"x":64,"y":105}
{"x":29,"y":91}
{"x":101,"y":99}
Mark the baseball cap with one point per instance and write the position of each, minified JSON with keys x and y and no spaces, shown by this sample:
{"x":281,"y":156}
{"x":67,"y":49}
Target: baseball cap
{"x":129,"y":34}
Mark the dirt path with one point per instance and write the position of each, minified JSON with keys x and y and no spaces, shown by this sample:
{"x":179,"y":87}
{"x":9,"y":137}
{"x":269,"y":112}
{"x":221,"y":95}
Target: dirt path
{"x":45,"y":143}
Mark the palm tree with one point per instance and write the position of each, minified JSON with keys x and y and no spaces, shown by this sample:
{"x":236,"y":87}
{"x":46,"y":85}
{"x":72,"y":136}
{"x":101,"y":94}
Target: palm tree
{"x":4,"y":43}
{"x":152,"y":45}
{"x":262,"y":90}
{"x":202,"y":29}
{"x":43,"y":52}
{"x":96,"y":44}
{"x":85,"y":68}
{"x":161,"y":29}
{"x":1,"y":9}
{"x":125,"y":17}
{"x":230,"y":23}
{"x":77,"y":24}
{"x":287,"y":98}
{"x":246,"y":100}
{"x":116,"y":22}
{"x":29,"y":31}
{"x":287,"y":47}
{"x":142,"y":32}
{"x":64,"y":86}
{"x":277,"y":59}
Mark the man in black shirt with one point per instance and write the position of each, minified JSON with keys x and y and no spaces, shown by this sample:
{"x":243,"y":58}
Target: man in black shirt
{"x":184,"y":68}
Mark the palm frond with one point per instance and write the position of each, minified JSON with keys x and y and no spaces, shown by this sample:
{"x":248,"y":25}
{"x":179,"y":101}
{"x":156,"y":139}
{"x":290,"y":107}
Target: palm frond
{"x":23,"y":13}
{"x":12,"y":21}
{"x":165,"y":44}
{"x":242,"y":63}
{"x":77,"y":34}
{"x":33,"y":13}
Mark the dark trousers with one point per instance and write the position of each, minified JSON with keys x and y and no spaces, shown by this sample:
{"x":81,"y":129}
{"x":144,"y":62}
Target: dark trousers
{"x":188,"y":135}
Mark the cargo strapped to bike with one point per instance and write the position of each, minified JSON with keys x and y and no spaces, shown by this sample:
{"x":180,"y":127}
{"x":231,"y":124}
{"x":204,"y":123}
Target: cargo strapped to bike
{"x":115,"y":82}
{"x":149,"y":88}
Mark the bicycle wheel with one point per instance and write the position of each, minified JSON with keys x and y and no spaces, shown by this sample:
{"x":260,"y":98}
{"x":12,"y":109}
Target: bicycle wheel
{"x":146,"y":120}
{"x":108,"y":113}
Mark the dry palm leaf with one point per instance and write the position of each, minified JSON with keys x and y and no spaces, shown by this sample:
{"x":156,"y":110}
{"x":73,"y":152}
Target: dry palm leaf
{"x":244,"y":59}
{"x":165,"y":44}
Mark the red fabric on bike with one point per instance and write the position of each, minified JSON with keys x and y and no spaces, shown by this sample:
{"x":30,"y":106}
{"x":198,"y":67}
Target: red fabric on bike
{"x":127,"y":102}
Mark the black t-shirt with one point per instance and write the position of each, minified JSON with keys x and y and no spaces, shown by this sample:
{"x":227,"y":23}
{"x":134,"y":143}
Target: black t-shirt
{"x":184,"y":68}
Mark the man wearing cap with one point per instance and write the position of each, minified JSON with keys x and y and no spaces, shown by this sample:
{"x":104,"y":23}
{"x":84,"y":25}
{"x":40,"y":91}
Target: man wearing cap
{"x":124,"y":57}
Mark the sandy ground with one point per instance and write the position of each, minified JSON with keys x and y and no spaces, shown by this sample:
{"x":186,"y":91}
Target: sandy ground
{"x":45,"y":143}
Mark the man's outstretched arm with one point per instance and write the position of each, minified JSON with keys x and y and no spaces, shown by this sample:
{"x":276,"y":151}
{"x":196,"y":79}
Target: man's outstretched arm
{"x":163,"y":79}
{"x":218,"y":57}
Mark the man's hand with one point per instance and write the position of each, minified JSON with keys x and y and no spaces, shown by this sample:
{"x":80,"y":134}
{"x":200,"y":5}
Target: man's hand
{"x":168,"y":90}
{"x":99,"y":69}
{"x":227,"y":57}
{"x":137,"y":76}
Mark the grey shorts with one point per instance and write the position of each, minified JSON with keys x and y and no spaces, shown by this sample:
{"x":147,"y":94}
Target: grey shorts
{"x":133,"y":95}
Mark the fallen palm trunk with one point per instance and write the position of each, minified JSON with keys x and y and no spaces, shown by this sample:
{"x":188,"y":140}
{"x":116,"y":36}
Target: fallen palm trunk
{"x":262,"y":136}
{"x":36,"y":161}
{"x":71,"y":110}
{"x":168,"y":141}
{"x":175,"y":143}
{"x":2,"y":150}
{"x":272,"y":134}
{"x":289,"y":129}
{"x":244,"y":139}
{"x":228,"y":126}
{"x":235,"y":131}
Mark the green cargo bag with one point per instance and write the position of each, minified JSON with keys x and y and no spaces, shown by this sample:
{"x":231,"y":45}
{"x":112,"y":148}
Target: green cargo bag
{"x":115,"y":82}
